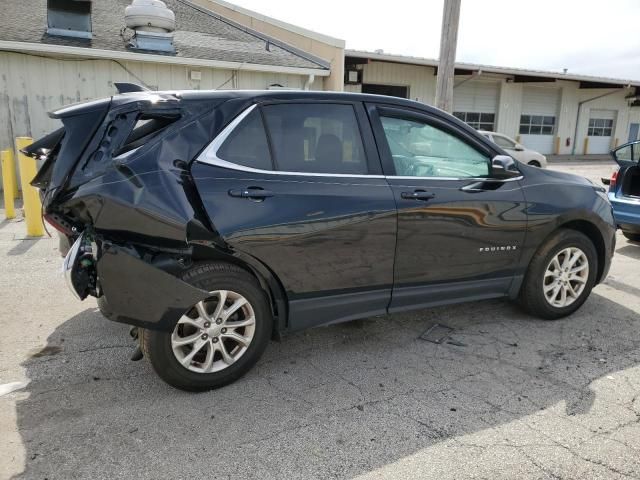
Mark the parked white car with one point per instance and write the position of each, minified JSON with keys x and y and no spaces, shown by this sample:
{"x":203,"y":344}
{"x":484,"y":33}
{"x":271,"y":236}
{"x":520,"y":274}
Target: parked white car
{"x":516,"y":150}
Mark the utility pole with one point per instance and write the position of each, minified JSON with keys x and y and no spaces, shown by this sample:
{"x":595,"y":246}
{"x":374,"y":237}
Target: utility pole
{"x":446,"y":66}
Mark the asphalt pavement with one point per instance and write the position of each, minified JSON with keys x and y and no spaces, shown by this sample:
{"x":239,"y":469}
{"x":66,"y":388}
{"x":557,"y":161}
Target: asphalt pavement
{"x":504,"y":396}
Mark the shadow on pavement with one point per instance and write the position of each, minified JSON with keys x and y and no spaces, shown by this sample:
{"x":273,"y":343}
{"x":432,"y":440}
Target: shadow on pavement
{"x":23,"y":246}
{"x":337,"y":401}
{"x":631,"y":251}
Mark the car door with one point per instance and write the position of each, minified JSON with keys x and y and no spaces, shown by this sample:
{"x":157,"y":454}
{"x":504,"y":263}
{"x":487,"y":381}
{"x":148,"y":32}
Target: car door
{"x":459,"y":230}
{"x":299,"y":186}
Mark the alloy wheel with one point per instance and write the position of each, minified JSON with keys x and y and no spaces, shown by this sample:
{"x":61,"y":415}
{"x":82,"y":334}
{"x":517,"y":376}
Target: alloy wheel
{"x":565,"y":277}
{"x":215,"y":333}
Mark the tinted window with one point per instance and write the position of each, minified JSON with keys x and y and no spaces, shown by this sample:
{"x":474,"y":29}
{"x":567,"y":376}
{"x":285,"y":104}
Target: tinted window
{"x":247,"y":145}
{"x":315,"y":138}
{"x":421,"y":150}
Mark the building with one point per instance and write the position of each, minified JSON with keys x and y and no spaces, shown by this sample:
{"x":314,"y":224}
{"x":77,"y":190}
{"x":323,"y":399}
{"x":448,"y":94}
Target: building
{"x":215,"y":45}
{"x":558,"y":113}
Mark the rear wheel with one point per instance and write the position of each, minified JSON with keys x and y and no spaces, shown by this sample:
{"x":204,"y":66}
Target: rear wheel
{"x":634,"y":237}
{"x":560,"y":276}
{"x":220,"y":338}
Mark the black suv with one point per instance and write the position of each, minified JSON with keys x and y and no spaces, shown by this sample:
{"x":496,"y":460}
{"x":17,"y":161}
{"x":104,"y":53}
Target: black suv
{"x":214,"y":221}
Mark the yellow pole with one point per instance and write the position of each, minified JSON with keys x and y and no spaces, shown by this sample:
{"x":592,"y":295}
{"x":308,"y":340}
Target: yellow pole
{"x":8,"y":183}
{"x":30,"y":196}
{"x":586,"y":145}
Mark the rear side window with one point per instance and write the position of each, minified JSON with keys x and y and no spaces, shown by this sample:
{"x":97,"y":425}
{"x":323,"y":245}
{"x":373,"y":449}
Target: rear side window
{"x":315,"y":138}
{"x":146,"y":127}
{"x":247,"y":144}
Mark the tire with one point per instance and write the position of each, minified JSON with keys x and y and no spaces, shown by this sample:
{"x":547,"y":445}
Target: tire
{"x":634,"y":237}
{"x":532,"y":296}
{"x":159,"y":350}
{"x":534,"y":163}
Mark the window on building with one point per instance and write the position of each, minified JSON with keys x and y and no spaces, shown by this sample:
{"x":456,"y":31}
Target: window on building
{"x":600,"y":127}
{"x":247,"y":145}
{"x":315,"y":138}
{"x":421,"y":150}
{"x":537,"y":124}
{"x":479,"y":121}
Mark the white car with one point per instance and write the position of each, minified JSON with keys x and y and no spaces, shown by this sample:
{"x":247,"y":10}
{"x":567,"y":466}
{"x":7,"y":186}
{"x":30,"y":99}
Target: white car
{"x":517,"y":150}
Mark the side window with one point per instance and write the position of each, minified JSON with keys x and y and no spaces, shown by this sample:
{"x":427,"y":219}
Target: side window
{"x":247,"y":145}
{"x":629,"y":153}
{"x":503,"y":142}
{"x":315,"y":138}
{"x":421,"y":150}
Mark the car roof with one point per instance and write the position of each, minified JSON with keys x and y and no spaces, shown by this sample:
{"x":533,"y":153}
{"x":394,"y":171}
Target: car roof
{"x":204,"y":95}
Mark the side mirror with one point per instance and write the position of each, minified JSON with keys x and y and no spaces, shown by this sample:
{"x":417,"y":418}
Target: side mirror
{"x":503,"y":166}
{"x":519,"y":148}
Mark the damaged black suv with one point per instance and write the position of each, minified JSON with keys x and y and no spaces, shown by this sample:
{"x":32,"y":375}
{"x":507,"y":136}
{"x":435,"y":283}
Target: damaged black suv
{"x":215,"y":221}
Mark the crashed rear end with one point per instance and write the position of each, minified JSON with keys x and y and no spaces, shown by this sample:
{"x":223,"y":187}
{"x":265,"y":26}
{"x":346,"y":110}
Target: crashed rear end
{"x":116,"y":183}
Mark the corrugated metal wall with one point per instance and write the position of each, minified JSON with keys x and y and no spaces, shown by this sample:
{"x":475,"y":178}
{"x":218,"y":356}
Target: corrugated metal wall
{"x":31,"y":86}
{"x":420,"y":80}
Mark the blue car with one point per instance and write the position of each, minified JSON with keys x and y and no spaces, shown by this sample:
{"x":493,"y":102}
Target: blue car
{"x":624,"y":190}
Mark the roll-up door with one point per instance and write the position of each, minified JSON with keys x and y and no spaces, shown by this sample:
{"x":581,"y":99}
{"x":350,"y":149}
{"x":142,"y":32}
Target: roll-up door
{"x":475,"y":102}
{"x":600,"y":130}
{"x":539,"y":118}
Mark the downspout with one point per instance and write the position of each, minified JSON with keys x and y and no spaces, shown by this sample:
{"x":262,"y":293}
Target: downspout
{"x":575,"y":133}
{"x":309,"y":82}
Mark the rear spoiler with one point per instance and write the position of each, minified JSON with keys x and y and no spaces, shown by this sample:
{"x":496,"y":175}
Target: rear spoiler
{"x":43,"y":146}
{"x":124,"y":87}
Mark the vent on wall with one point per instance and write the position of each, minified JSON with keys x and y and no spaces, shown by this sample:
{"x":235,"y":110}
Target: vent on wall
{"x":69,"y":18}
{"x":153,"y":23}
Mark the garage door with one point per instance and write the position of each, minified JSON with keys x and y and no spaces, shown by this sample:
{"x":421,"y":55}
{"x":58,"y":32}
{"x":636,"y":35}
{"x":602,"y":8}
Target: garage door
{"x":539,"y":118}
{"x":600,"y":130}
{"x":475,"y":103}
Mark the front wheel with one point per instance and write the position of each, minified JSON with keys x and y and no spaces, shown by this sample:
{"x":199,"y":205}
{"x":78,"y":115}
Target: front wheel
{"x":220,"y":338}
{"x":560,"y":276}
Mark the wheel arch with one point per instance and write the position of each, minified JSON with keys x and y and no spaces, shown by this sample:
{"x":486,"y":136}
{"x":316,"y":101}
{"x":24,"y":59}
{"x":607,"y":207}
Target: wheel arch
{"x":592,"y":232}
{"x":265,"y":277}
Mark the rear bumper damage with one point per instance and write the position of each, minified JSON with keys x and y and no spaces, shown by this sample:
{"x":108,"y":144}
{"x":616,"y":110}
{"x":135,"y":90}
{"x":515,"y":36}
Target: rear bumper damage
{"x":137,"y":292}
{"x":143,"y":295}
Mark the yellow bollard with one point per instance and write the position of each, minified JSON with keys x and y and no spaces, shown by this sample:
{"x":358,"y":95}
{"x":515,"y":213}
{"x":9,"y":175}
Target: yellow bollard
{"x":12,"y":172}
{"x":8,"y":183}
{"x":30,"y":196}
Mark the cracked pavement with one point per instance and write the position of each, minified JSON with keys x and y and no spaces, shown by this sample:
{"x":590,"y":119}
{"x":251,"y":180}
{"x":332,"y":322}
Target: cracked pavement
{"x":510,"y":397}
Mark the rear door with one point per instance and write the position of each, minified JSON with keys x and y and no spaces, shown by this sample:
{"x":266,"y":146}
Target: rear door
{"x":459,"y":231}
{"x":299,"y":186}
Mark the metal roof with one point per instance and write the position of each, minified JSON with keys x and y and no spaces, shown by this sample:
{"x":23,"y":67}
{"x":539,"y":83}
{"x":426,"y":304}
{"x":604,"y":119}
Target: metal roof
{"x":431,"y":62}
{"x":200,"y":34}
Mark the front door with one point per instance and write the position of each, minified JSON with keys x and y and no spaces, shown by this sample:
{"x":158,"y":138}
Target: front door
{"x":459,"y":231}
{"x":298,"y":186}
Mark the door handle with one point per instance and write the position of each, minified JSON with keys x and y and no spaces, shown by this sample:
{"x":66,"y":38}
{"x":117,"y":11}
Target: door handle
{"x":255,"y":193}
{"x":417,"y":195}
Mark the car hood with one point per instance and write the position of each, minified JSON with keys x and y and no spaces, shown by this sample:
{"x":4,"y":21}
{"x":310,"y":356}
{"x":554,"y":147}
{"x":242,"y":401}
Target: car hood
{"x":554,"y":176}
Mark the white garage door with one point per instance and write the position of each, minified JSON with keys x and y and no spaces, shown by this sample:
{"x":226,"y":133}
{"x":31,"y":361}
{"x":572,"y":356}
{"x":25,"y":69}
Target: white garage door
{"x":475,"y":103}
{"x":539,"y":118}
{"x":600,"y":130}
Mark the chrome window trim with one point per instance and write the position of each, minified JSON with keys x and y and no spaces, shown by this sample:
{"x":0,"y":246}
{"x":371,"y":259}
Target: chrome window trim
{"x":210,"y":156}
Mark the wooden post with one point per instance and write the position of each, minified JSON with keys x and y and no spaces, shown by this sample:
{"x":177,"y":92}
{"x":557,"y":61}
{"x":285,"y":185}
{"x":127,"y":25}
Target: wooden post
{"x":446,"y":65}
